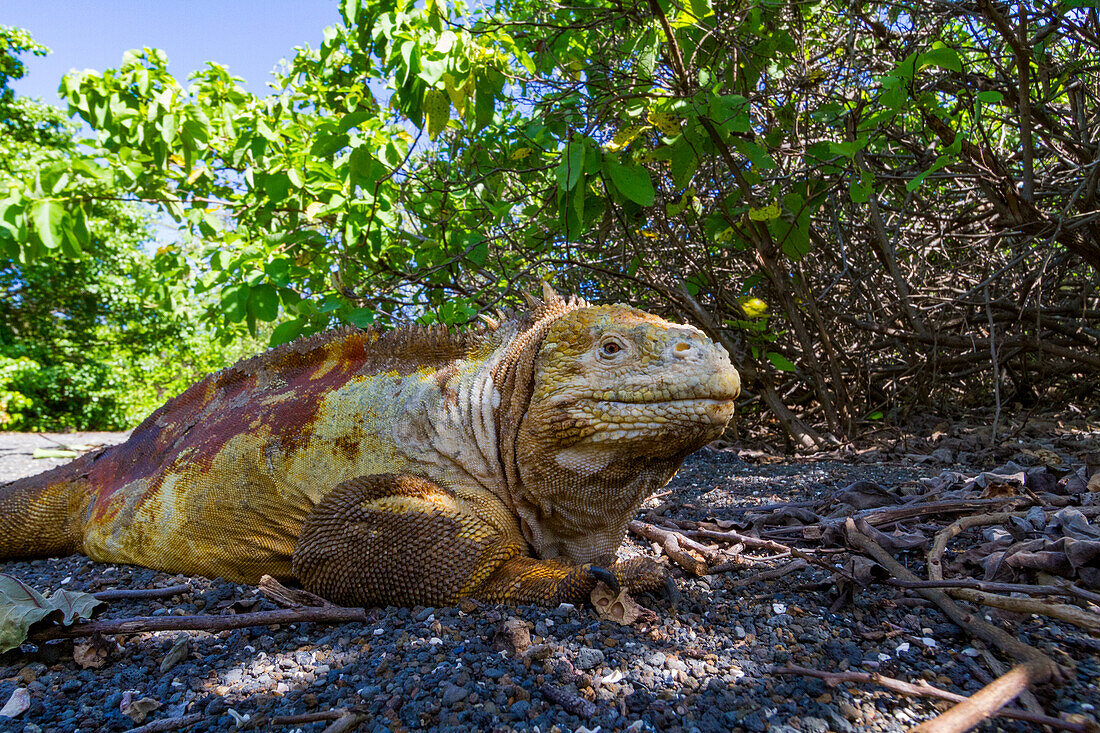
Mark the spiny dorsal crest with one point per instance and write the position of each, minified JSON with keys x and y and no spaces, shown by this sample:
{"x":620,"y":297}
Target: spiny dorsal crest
{"x":551,"y":305}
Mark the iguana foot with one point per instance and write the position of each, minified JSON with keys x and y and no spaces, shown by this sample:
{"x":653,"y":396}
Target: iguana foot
{"x":641,"y":574}
{"x":403,"y":540}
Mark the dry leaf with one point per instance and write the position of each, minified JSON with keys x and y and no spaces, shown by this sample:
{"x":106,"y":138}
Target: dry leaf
{"x":866,"y":495}
{"x":1094,"y":482}
{"x":175,"y":655}
{"x":137,"y":710}
{"x":53,"y":453}
{"x":19,"y":701}
{"x":1043,"y":455}
{"x":619,"y":608}
{"x":95,"y":652}
{"x":998,"y":489}
{"x":21,"y":606}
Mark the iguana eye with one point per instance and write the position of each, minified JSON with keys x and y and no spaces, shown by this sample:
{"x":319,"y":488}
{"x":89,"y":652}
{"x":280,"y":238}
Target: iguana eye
{"x":611,"y":348}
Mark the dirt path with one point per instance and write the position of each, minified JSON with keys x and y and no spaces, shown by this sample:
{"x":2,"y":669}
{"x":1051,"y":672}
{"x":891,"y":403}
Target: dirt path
{"x":17,"y":450}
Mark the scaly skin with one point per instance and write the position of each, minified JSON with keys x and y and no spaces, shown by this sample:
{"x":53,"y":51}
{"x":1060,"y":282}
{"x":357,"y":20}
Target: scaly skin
{"x":413,"y":467}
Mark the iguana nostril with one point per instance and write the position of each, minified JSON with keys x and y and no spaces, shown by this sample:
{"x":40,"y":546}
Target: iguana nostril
{"x":682,"y":348}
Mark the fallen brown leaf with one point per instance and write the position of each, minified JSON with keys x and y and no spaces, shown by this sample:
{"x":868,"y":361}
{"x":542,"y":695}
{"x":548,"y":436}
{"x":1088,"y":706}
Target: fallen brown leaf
{"x":95,"y":652}
{"x":998,"y":489}
{"x":620,"y":608}
{"x":137,"y":710}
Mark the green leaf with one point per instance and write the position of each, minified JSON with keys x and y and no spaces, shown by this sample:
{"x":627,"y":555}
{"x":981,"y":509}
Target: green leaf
{"x":571,"y":165}
{"x":484,"y":101}
{"x":235,"y":302}
{"x":361,"y":317}
{"x":437,"y":110}
{"x":365,"y":168}
{"x":847,"y":149}
{"x":781,"y":362}
{"x":990,"y":97}
{"x":859,"y":190}
{"x":54,"y":453}
{"x":758,"y":154}
{"x":731,"y":112}
{"x":683,"y":162}
{"x":263,"y":302}
{"x":47,"y":216}
{"x":286,"y":332}
{"x":329,"y":140}
{"x":479,"y":252}
{"x":21,"y":606}
{"x":942,"y":56}
{"x":632,"y":181}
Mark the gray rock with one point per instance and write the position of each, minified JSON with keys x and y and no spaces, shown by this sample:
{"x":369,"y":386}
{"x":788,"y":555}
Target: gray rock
{"x":943,"y":455}
{"x":452,"y":693}
{"x":589,"y":658}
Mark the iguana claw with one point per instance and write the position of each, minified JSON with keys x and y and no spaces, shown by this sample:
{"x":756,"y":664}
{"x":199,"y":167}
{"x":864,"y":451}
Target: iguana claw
{"x":672,"y":591}
{"x":607,"y":577}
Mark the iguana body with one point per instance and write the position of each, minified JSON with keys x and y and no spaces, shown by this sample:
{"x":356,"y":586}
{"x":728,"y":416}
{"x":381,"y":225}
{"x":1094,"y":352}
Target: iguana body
{"x":414,"y":466}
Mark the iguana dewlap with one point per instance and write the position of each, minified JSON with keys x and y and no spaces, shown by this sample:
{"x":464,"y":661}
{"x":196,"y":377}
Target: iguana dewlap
{"x":408,"y":467}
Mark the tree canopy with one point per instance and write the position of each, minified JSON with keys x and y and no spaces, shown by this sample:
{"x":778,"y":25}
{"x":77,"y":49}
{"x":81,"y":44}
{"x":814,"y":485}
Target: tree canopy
{"x":872,"y":206}
{"x":87,"y":336}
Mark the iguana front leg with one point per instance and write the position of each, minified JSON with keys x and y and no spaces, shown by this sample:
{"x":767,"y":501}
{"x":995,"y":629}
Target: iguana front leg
{"x":403,"y":540}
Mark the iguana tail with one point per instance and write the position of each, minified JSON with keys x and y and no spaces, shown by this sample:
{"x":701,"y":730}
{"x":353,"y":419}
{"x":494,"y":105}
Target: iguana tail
{"x":43,"y":515}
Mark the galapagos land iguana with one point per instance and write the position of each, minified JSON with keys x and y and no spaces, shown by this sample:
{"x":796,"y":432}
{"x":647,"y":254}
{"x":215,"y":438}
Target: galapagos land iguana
{"x":415,"y":466}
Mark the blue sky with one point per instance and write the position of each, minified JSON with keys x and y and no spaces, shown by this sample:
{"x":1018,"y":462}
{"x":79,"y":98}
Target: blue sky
{"x":248,"y":36}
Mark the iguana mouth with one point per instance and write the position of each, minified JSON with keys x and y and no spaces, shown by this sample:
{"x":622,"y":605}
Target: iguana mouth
{"x":719,"y":388}
{"x":674,"y":401}
{"x":658,"y":415}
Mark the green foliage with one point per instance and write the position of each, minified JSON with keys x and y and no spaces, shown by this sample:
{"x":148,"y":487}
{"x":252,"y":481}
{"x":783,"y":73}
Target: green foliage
{"x":94,"y":333}
{"x":422,"y":160}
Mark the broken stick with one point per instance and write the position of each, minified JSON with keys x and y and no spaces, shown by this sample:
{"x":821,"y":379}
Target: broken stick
{"x":986,"y":702}
{"x":676,"y":546}
{"x":1012,"y":647}
{"x":137,"y":624}
{"x":921,"y":688}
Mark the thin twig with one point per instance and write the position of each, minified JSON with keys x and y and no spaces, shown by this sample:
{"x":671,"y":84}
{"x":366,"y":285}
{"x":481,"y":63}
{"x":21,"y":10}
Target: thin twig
{"x":573,"y":704}
{"x":939,"y":545}
{"x":986,"y":585}
{"x":676,"y":546}
{"x":139,"y":624}
{"x":167,"y":724}
{"x":128,"y":594}
{"x":1009,"y":645}
{"x":921,"y":688}
{"x":793,"y":566}
{"x":291,"y":597}
{"x":350,"y":720}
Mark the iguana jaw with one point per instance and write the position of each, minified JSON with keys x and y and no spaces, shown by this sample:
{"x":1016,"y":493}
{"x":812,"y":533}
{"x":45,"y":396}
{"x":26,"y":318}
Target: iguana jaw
{"x":660,"y":414}
{"x":605,"y":428}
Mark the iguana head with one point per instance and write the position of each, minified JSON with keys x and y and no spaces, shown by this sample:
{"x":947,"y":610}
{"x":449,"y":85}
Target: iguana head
{"x":619,"y":397}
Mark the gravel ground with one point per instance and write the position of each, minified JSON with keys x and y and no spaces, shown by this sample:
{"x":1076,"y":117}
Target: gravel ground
{"x":700,"y":667}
